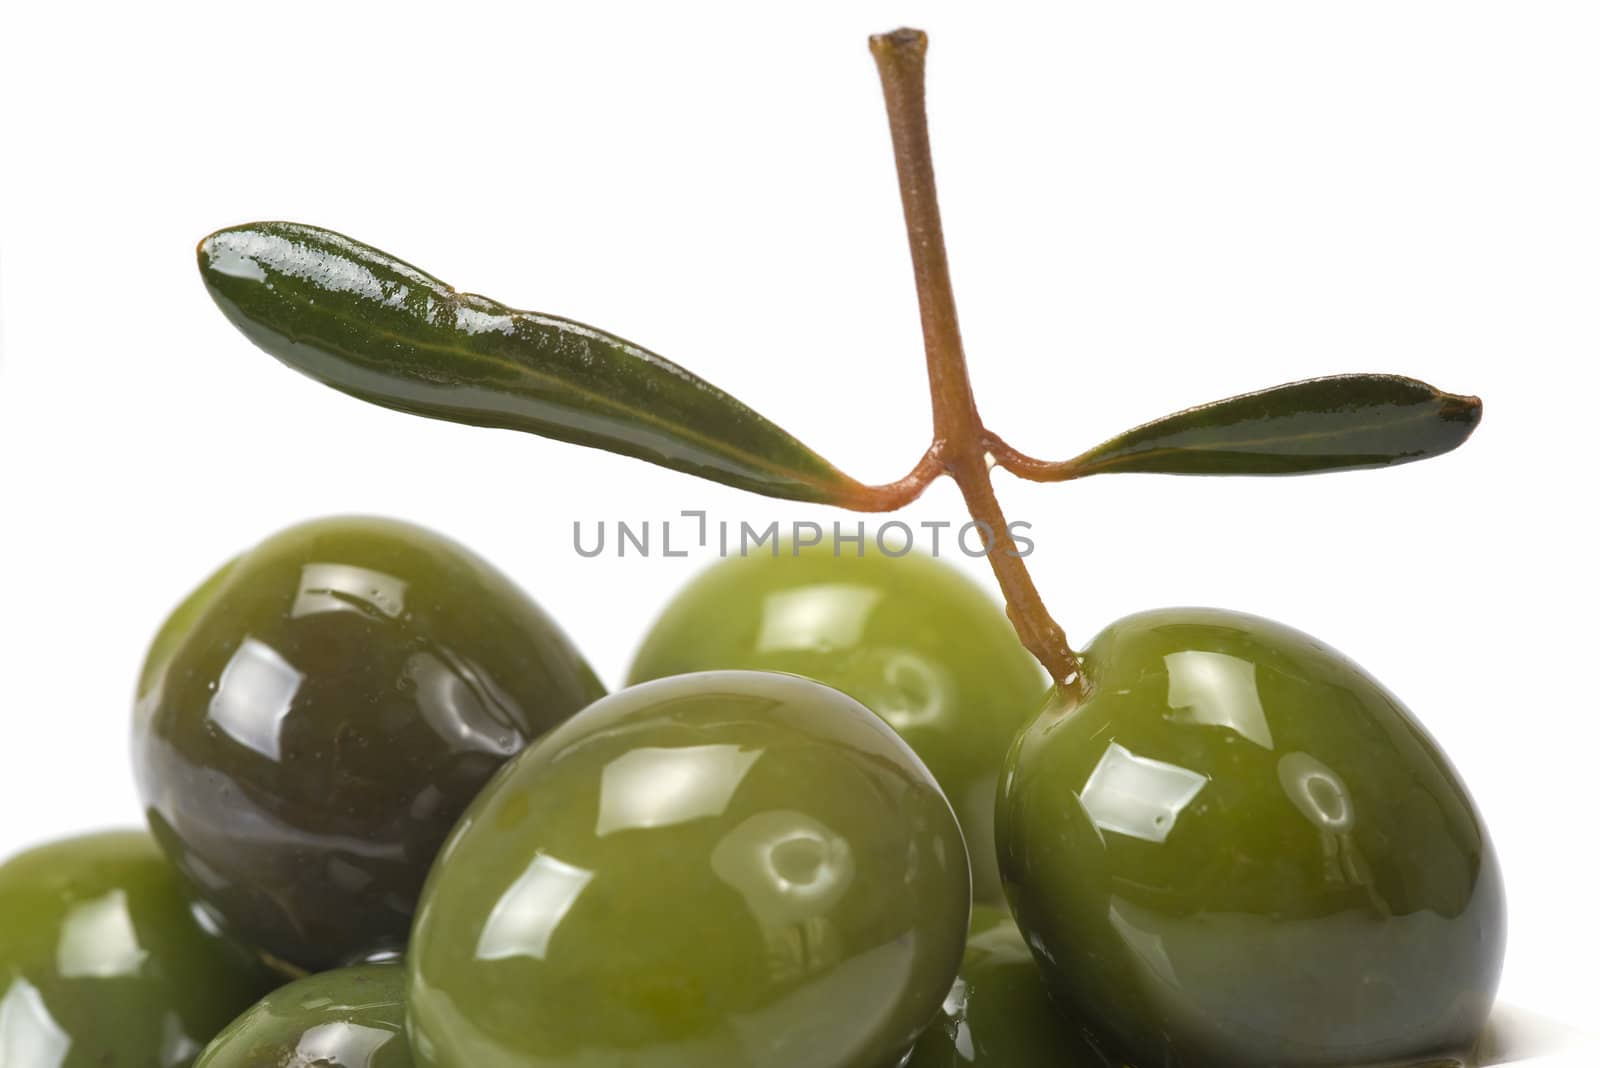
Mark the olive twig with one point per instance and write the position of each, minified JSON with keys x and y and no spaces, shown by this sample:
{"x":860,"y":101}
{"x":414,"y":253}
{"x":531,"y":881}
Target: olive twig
{"x":961,"y":444}
{"x":484,"y":363}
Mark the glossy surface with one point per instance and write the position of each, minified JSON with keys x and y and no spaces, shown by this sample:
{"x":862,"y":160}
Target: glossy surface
{"x":1322,"y":424}
{"x":348,"y":1018}
{"x":366,"y":323}
{"x":1242,"y":850}
{"x":107,"y":961}
{"x":912,"y":638}
{"x":735,"y":869}
{"x":315,"y":717}
{"x":999,"y":1015}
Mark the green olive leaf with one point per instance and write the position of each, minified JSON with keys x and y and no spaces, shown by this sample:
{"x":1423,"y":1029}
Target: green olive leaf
{"x":364,"y":322}
{"x":1321,"y":424}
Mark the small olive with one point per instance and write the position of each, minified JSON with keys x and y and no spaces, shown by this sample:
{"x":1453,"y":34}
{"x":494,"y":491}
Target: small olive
{"x":739,"y":869}
{"x":346,"y":1018}
{"x":910,"y":637}
{"x":108,"y":959}
{"x":313,"y":719}
{"x":1241,"y":850}
{"x":999,"y":1014}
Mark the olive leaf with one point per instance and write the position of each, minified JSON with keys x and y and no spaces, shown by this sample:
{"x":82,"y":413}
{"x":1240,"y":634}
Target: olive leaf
{"x":1321,"y":424}
{"x":364,"y":322}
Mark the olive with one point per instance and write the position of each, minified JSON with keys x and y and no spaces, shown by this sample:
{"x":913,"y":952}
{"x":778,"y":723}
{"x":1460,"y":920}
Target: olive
{"x":313,"y":719}
{"x":1241,"y":849}
{"x":740,"y":869}
{"x":998,"y":1014}
{"x":346,"y":1018}
{"x":910,"y":637}
{"x":108,"y":959}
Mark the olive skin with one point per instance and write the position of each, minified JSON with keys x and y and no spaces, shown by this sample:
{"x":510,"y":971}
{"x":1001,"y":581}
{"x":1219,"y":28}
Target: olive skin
{"x":346,"y":1018}
{"x":313,"y":719}
{"x":999,"y":1014}
{"x":1241,"y":849}
{"x":739,"y":869}
{"x":108,"y":961}
{"x":910,"y":637}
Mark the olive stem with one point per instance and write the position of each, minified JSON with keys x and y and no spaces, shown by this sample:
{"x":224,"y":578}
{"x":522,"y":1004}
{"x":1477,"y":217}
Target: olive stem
{"x":1034,"y":470}
{"x":961,"y":444}
{"x":892,"y":496}
{"x":900,"y":56}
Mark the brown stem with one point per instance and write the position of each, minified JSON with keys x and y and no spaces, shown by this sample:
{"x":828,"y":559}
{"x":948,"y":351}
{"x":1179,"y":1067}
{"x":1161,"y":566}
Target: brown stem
{"x":961,"y":444}
{"x":892,"y":496}
{"x":900,"y":57}
{"x":1024,"y":466}
{"x":1042,"y":636}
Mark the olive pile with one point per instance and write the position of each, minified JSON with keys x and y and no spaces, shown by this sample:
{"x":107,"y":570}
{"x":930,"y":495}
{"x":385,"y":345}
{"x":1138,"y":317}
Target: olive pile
{"x":838,"y":818}
{"x":372,"y":765}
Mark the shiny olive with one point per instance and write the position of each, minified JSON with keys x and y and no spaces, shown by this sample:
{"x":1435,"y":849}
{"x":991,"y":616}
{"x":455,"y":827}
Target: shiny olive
{"x":908,"y":636}
{"x":107,"y":960}
{"x":314,"y":718}
{"x":347,"y":1018}
{"x":739,"y":869}
{"x":998,"y":1014}
{"x":1241,"y":850}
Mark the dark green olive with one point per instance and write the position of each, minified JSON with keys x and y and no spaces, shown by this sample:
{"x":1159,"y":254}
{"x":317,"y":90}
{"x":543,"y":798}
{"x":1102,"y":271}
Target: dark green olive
{"x":107,"y":960}
{"x":908,"y":636}
{"x":998,"y":1014}
{"x":739,"y":869}
{"x":314,"y":718}
{"x":347,"y":1018}
{"x":1241,"y":850}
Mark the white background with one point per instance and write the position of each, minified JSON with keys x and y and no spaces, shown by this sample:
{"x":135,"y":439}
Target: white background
{"x":1148,"y":206}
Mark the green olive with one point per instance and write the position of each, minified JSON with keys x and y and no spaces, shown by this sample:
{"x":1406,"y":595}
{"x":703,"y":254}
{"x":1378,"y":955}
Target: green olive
{"x":739,"y":869}
{"x":1241,"y":850}
{"x":908,"y":636}
{"x":347,"y":1018}
{"x":314,"y":718}
{"x":107,"y":958}
{"x":999,"y":1014}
